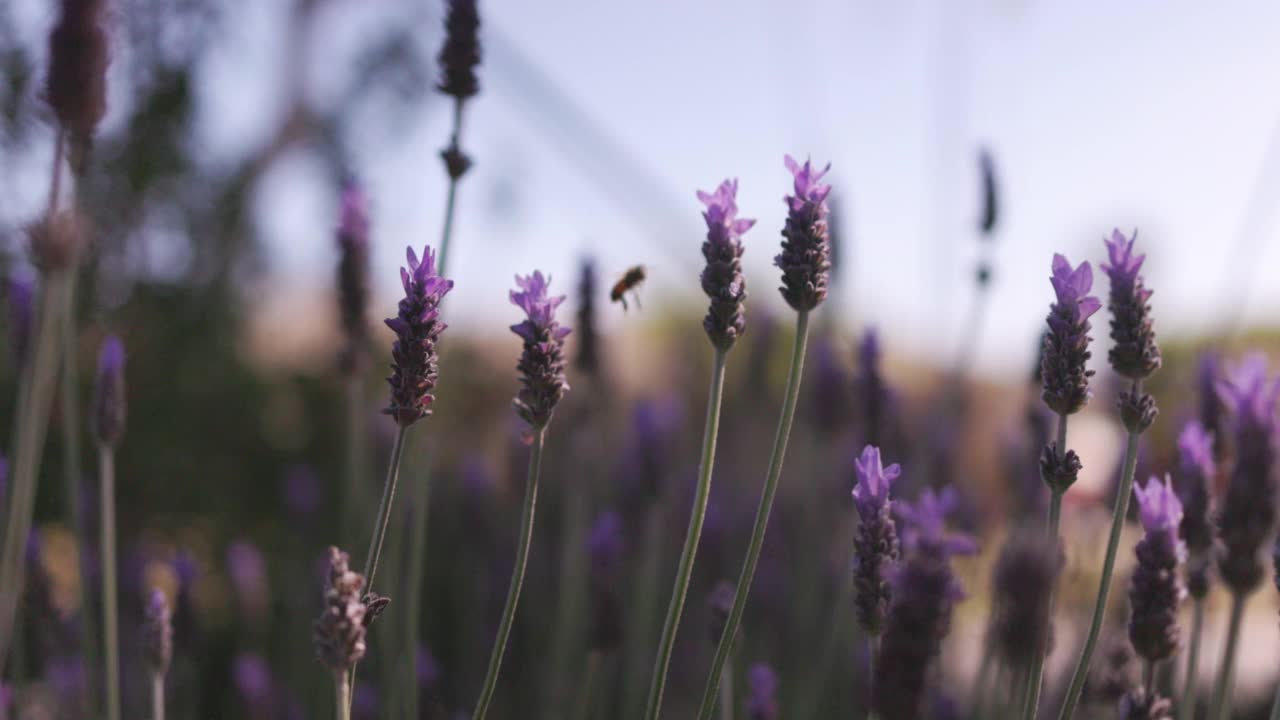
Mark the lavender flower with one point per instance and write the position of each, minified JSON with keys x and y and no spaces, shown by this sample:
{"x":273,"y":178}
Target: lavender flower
{"x":805,"y":259}
{"x":252,"y":678}
{"x":762,"y":691}
{"x":461,"y":52}
{"x":1248,"y":512}
{"x":302,"y":494}
{"x":604,"y":547}
{"x":340,"y":631}
{"x":109,"y":400}
{"x":925,"y":591}
{"x":157,"y":633}
{"x":541,"y":363}
{"x":248,"y":572}
{"x":21,"y":318}
{"x":1066,"y":345}
{"x":77,"y":85}
{"x":719,"y":606}
{"x":353,"y":275}
{"x":1208,"y":375}
{"x":414,"y":364}
{"x":1156,"y":589}
{"x":1022,"y":588}
{"x":876,"y":545}
{"x":1196,"y":472}
{"x":587,"y":359}
{"x":870,"y":391}
{"x":829,"y":388}
{"x":722,"y":278}
{"x":1135,"y":354}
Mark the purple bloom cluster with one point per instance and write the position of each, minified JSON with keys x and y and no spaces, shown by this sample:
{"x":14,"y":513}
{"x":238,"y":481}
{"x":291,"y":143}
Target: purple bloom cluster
{"x":1211,"y":411}
{"x":109,"y":407}
{"x":461,"y":52}
{"x":157,"y":633}
{"x":1135,"y":354}
{"x":1195,"y":479}
{"x":353,"y":275}
{"x":871,"y":392}
{"x":762,"y":693}
{"x":875,"y":548}
{"x":417,"y":325}
{"x":1022,"y":589}
{"x":340,"y":631}
{"x":805,"y":259}
{"x":541,"y":363}
{"x":1066,"y":345}
{"x":604,"y":548}
{"x":1248,"y":511}
{"x":1156,"y":589}
{"x":722,"y":279}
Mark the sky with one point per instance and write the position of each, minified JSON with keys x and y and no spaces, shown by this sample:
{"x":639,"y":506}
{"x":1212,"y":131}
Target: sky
{"x":598,"y":121}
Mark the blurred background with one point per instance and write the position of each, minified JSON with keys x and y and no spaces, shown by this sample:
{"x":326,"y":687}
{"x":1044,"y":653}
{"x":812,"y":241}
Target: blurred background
{"x":213,"y":197}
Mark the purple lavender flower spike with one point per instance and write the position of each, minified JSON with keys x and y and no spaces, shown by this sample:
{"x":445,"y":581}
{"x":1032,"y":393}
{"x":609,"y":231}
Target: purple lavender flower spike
{"x":541,"y":364}
{"x":805,"y":259}
{"x":1066,"y":345}
{"x":925,"y":523}
{"x":109,"y":398}
{"x":1135,"y":354}
{"x":829,"y":388}
{"x":1022,"y":588}
{"x":353,"y":275}
{"x":252,"y":678}
{"x":157,"y":633}
{"x":1156,"y":589}
{"x":340,"y":631}
{"x":302,"y":494}
{"x":604,"y":548}
{"x":1211,"y":411}
{"x":875,"y":549}
{"x":415,"y":364}
{"x":248,"y":572}
{"x":21,"y":294}
{"x":76,"y":85}
{"x":461,"y":52}
{"x":1248,"y":511}
{"x":587,"y":358}
{"x":722,"y":278}
{"x":762,"y":692}
{"x":1195,"y":481}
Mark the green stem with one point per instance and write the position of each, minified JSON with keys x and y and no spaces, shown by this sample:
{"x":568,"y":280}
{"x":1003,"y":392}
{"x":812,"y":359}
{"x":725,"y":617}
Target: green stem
{"x":451,"y":199}
{"x":587,"y":687}
{"x":417,"y":561}
{"x":110,"y":599}
{"x":30,"y":425}
{"x":157,"y":696}
{"x":517,"y":576}
{"x":642,"y":613}
{"x":1220,"y":709}
{"x":726,"y":694}
{"x":762,"y":517}
{"x":342,"y":695}
{"x":1104,"y":587}
{"x":1186,"y":707}
{"x":384,"y":509}
{"x":1031,"y":704}
{"x":694,"y":534}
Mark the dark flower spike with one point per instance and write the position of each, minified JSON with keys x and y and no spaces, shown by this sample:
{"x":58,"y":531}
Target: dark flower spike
{"x":604,"y":548}
{"x":1248,"y":511}
{"x":1137,"y":409}
{"x":1066,"y":345}
{"x":722,"y":278}
{"x":541,"y":364}
{"x":1022,"y":587}
{"x":414,"y":362}
{"x":1135,"y":354}
{"x":925,"y":523}
{"x":340,"y":631}
{"x":990,"y":196}
{"x":353,"y":274}
{"x":1208,"y":375}
{"x":762,"y":691}
{"x":21,"y":294}
{"x":1195,"y":482}
{"x":870,"y":390}
{"x":157,"y":633}
{"x":461,"y":52}
{"x":587,"y":358}
{"x":77,"y":84}
{"x":1156,"y":589}
{"x":109,"y":399}
{"x":805,"y":259}
{"x":1059,"y":471}
{"x":876,"y":545}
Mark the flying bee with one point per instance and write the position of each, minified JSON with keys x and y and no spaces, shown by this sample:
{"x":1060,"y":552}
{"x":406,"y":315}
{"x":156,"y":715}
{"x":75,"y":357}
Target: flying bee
{"x":628,"y":283}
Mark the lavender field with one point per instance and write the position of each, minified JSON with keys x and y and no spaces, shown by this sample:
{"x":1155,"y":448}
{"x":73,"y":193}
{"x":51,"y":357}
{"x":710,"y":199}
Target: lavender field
{"x":434,"y":359}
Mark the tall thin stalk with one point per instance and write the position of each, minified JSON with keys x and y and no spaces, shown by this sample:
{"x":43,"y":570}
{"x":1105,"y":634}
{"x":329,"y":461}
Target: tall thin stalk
{"x":762,"y":516}
{"x":587,"y":687}
{"x":342,"y":695}
{"x":356,"y":456}
{"x":517,"y":576}
{"x":1104,"y":586}
{"x":417,"y":559}
{"x":451,"y":198}
{"x":110,"y":600}
{"x":1032,"y":702}
{"x":642,"y":613}
{"x":1186,"y":706}
{"x":685,"y":569}
{"x":384,"y":508}
{"x":1220,"y":709}
{"x":157,"y":696}
{"x":726,"y":693}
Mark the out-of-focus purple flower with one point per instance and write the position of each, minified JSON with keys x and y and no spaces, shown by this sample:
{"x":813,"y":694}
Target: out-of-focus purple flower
{"x":541,"y":364}
{"x":157,"y":633}
{"x":253,"y":681}
{"x":1156,"y":589}
{"x":460,"y":54}
{"x":1135,"y":354}
{"x":66,"y":675}
{"x":76,"y":86}
{"x":428,"y":669}
{"x":722,"y":278}
{"x":1022,"y":587}
{"x":301,"y":491}
{"x":109,"y":401}
{"x":604,"y":548}
{"x":828,"y":386}
{"x":340,"y":631}
{"x":805,"y":259}
{"x":414,"y":362}
{"x":1197,"y":472}
{"x":925,"y":523}
{"x":650,"y":447}
{"x":1066,"y":346}
{"x":353,"y":275}
{"x":21,"y":294}
{"x":762,"y":693}
{"x":1249,"y":509}
{"x":365,"y":704}
{"x":871,"y":494}
{"x":6,"y":701}
{"x":248,"y":572}
{"x":870,"y":391}
{"x":1208,"y":375}
{"x":719,"y":606}
{"x":587,"y":358}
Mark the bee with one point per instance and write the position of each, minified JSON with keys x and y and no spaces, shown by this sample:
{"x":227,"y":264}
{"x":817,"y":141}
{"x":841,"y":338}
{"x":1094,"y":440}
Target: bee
{"x":628,"y":283}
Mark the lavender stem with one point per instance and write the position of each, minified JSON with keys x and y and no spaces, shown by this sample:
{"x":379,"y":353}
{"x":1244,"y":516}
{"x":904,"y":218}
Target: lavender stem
{"x":1220,"y":709}
{"x":110,"y":611}
{"x":384,"y":509}
{"x":450,"y":200}
{"x":342,"y":695}
{"x":762,"y":515}
{"x":726,"y":694}
{"x":157,"y":696}
{"x":1032,"y":702}
{"x":685,"y":569}
{"x":587,"y":688}
{"x":1104,"y":587}
{"x":417,"y":558}
{"x":1186,"y":707}
{"x":356,"y":494}
{"x":517,"y":575}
